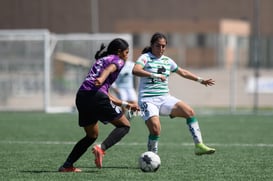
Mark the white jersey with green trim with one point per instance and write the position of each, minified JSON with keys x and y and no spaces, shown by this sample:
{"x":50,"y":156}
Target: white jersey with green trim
{"x":149,"y":87}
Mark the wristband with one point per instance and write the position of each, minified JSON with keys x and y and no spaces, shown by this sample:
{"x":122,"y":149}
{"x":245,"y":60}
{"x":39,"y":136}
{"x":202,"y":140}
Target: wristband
{"x":124,"y":104}
{"x":199,"y":79}
{"x":155,"y":76}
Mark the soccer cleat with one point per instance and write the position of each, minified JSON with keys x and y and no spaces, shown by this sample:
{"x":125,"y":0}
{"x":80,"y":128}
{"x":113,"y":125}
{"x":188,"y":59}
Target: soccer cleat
{"x":69,"y":169}
{"x":201,"y":149}
{"x":99,"y":153}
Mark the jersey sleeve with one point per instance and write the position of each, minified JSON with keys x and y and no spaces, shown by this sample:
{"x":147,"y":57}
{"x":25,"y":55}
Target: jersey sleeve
{"x":142,"y":60}
{"x":174,"y":66}
{"x":118,"y":62}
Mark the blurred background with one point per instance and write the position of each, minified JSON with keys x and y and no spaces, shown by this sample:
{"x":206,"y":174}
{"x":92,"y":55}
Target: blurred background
{"x":47,"y":47}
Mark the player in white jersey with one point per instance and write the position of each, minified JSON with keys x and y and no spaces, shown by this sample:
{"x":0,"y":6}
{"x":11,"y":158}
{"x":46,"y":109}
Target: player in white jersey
{"x":154,"y":68}
{"x":124,"y":85}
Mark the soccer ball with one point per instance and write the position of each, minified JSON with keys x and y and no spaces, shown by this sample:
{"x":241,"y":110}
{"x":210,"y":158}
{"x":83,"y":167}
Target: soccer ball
{"x":149,"y":162}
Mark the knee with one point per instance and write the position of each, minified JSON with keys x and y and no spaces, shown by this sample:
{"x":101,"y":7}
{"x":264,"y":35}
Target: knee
{"x":190,"y":113}
{"x":92,"y":131}
{"x":93,"y":135}
{"x":182,"y":110}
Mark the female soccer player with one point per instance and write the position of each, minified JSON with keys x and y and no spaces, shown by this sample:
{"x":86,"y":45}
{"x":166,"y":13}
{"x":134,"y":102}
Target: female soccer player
{"x":154,"y":68}
{"x":95,"y":103}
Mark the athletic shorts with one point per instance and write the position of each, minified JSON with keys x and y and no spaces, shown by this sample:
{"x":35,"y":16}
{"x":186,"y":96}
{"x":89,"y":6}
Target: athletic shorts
{"x":95,"y":106}
{"x":158,"y":105}
{"x":127,"y":94}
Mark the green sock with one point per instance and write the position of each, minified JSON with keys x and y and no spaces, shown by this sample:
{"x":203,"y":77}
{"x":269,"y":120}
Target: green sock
{"x":153,"y":137}
{"x":191,"y":120}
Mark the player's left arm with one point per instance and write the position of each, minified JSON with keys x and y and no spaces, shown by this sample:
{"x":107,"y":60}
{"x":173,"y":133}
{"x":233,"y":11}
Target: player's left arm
{"x":127,"y":105}
{"x":191,"y":76}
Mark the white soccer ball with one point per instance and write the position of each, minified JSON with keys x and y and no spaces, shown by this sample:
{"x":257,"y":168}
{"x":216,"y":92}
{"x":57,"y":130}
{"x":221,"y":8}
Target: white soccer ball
{"x":149,"y":162}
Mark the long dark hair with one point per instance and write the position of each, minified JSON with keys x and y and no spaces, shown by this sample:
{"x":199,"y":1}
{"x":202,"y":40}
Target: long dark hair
{"x":154,"y":39}
{"x":112,"y":49}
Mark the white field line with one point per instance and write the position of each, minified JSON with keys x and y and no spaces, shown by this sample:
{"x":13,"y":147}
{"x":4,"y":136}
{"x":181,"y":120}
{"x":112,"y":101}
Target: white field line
{"x":137,"y":143}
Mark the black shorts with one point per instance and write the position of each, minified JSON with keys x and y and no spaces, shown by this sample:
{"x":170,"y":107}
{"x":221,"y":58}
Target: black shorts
{"x":95,"y":106}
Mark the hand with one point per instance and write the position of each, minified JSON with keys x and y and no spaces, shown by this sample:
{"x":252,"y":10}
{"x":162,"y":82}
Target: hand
{"x":162,"y":78}
{"x":158,"y":76}
{"x":98,"y":82}
{"x":208,"y":82}
{"x":133,"y":107}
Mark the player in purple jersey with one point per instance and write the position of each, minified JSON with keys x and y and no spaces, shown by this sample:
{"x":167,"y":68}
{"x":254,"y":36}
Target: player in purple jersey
{"x":95,"y":103}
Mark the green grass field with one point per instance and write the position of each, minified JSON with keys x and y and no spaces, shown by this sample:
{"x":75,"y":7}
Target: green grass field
{"x":34,"y":145}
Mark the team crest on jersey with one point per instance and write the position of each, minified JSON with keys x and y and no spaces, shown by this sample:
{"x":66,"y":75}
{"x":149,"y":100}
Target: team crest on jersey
{"x":144,"y":61}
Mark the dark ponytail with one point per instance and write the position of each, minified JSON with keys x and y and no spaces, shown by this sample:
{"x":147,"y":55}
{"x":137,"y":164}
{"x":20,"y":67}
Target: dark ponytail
{"x":146,"y":50}
{"x":113,"y":48}
{"x":99,"y":53}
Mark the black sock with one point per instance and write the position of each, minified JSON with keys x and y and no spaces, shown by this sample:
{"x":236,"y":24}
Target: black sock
{"x":115,"y":136}
{"x":78,"y":150}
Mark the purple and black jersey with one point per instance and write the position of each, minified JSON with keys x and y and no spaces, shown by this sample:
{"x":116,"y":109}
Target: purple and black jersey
{"x":96,"y":70}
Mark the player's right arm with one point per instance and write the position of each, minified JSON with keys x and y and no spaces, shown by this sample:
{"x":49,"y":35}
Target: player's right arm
{"x":139,"y":71}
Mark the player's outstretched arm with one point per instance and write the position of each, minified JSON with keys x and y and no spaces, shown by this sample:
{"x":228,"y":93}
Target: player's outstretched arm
{"x":191,"y":76}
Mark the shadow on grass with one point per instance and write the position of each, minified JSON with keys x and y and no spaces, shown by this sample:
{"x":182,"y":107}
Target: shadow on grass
{"x":84,"y":169}
{"x":39,"y":171}
{"x":111,"y":167}
{"x":54,"y":171}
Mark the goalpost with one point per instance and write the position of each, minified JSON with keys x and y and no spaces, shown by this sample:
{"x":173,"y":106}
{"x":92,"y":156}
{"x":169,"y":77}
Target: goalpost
{"x":42,"y":71}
